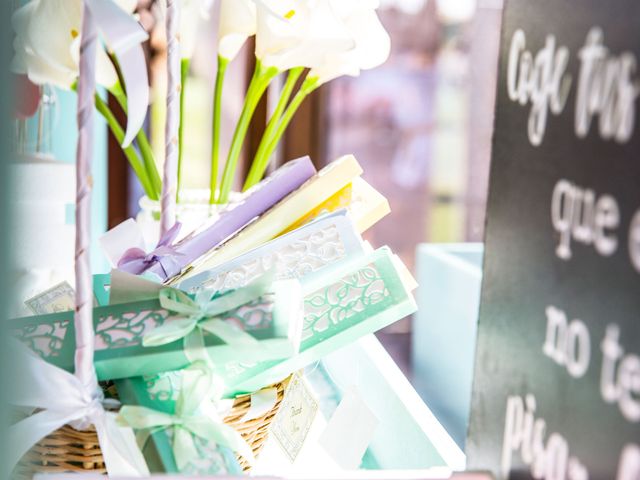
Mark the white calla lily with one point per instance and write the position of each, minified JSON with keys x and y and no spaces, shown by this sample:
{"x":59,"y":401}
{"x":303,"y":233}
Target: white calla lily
{"x":237,"y":24}
{"x":355,"y":19}
{"x":191,"y":15}
{"x":298,"y":33}
{"x":372,"y":42}
{"x":26,"y":61}
{"x":47,"y":43}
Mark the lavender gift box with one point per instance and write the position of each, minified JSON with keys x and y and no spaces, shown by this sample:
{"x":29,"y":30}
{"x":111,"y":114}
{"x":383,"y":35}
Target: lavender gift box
{"x":231,"y":219}
{"x":329,"y":240}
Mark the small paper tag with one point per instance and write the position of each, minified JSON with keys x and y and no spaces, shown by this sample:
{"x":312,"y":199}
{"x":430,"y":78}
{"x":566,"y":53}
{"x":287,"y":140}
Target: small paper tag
{"x":349,"y":431}
{"x":295,"y":417}
{"x":59,"y":298}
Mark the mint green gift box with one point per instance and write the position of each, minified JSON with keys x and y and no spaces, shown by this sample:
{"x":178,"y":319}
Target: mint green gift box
{"x":159,"y":392}
{"x":341,"y":304}
{"x":273,"y":319}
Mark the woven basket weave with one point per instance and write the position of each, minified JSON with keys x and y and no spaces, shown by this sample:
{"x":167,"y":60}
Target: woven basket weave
{"x":256,"y":431}
{"x":70,"y":450}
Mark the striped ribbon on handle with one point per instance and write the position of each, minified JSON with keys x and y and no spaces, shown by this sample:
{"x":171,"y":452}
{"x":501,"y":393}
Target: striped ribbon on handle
{"x":123,"y":35}
{"x":170,"y":176}
{"x":83,"y":318}
{"x":80,"y":402}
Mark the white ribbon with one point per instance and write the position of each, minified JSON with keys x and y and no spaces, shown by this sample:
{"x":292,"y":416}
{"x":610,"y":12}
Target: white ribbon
{"x":62,"y":399}
{"x":123,"y":35}
{"x":262,"y":402}
{"x":121,"y":238}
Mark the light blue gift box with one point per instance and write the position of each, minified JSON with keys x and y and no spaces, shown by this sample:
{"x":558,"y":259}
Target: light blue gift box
{"x":444,"y":330}
{"x":306,"y":251}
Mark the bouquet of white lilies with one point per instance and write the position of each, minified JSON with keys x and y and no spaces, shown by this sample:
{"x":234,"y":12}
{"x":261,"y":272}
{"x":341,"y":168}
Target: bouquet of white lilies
{"x":311,"y":41}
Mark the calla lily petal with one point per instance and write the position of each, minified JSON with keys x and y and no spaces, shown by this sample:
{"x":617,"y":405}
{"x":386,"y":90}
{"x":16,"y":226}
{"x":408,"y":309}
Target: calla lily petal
{"x":372,"y":43}
{"x":47,"y":49}
{"x":192,"y":13}
{"x":124,"y":34}
{"x":299,"y":33}
{"x":237,"y":23}
{"x":53,"y":26}
{"x":106,"y":74}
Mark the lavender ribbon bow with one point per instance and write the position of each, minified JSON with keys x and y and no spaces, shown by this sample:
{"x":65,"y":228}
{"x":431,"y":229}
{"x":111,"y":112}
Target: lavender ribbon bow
{"x":136,"y":261}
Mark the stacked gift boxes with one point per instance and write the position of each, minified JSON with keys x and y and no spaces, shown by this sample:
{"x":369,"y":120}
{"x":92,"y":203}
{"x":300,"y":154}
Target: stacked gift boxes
{"x":271,"y":284}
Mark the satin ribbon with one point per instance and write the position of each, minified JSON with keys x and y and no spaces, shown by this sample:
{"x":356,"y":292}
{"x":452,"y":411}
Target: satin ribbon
{"x":136,"y":261}
{"x":205,"y":314}
{"x":194,"y":416}
{"x":123,"y":36}
{"x":63,"y":399}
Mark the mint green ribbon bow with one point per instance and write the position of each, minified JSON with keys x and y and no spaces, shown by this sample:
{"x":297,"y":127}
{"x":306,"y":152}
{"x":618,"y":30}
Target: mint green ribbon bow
{"x":205,"y":314}
{"x":189,"y":420}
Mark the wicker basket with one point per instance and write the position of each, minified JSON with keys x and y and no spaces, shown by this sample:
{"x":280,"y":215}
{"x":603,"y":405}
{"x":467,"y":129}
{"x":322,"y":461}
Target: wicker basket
{"x":256,"y":431}
{"x":69,"y":450}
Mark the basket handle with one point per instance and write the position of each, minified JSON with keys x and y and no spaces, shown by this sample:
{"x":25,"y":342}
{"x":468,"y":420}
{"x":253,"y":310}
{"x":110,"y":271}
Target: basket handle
{"x":123,"y":35}
{"x":172,"y":125}
{"x":83,"y":317}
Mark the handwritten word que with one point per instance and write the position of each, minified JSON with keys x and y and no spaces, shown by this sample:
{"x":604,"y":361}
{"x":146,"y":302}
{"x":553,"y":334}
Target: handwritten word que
{"x":620,"y":376}
{"x":541,"y":81}
{"x":525,"y":433}
{"x":606,"y":86}
{"x":579,"y":214}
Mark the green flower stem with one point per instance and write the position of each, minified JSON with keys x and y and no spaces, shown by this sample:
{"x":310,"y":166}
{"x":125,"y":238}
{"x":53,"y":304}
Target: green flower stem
{"x":143,"y":143}
{"x":308,"y":86}
{"x":130,"y":151}
{"x":184,"y":74}
{"x":254,"y":175}
{"x":261,"y":78}
{"x":215,"y":138}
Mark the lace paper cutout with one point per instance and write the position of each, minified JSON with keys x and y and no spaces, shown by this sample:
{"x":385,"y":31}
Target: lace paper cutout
{"x":329,"y":311}
{"x":163,"y":387}
{"x":291,"y":260}
{"x":127,"y":329}
{"x":46,"y":340}
{"x":341,"y":301}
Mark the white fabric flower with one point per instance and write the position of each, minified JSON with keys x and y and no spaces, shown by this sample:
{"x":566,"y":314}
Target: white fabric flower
{"x":299,"y":33}
{"x":237,"y":23}
{"x":47,"y":43}
{"x":372,"y":42}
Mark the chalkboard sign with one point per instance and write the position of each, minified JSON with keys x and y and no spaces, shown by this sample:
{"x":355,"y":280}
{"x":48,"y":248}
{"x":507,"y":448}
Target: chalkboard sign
{"x":557,"y":374}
